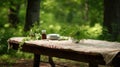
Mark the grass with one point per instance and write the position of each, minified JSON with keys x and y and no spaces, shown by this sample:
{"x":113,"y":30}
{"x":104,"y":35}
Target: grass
{"x":15,"y":62}
{"x":8,"y":61}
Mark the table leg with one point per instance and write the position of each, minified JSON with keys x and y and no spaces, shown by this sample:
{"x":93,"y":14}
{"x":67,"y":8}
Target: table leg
{"x":36,"y":60}
{"x":93,"y":64}
{"x":51,"y":61}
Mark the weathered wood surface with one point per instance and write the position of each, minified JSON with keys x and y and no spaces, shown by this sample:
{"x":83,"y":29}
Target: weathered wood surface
{"x":73,"y":55}
{"x":62,"y":53}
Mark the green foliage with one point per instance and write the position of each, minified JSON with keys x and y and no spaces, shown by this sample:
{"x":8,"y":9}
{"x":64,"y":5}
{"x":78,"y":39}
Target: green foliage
{"x":67,"y":18}
{"x":3,"y":16}
{"x":96,"y":11}
{"x":6,"y":33}
{"x":64,"y":17}
{"x":6,"y":59}
{"x":70,"y":30}
{"x":65,"y":11}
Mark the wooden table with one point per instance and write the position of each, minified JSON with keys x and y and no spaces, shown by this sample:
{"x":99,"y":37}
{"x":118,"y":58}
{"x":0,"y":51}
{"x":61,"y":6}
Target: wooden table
{"x":94,"y":59}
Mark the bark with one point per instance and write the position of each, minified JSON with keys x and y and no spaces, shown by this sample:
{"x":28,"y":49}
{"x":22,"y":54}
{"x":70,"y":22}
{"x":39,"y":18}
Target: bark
{"x":32,"y":13}
{"x":112,"y":18}
{"x":86,"y":10}
{"x":13,"y":14}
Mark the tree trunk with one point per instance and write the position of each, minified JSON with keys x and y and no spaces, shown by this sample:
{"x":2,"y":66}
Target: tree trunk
{"x":13,"y":14}
{"x":112,"y":17}
{"x":86,"y":10}
{"x":32,"y":13}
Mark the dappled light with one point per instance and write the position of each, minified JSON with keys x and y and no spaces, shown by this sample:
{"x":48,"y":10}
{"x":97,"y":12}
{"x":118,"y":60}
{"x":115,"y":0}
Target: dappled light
{"x":71,"y":19}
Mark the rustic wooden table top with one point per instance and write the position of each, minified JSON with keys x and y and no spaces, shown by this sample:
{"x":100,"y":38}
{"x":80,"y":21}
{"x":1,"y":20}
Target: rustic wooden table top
{"x":101,"y":52}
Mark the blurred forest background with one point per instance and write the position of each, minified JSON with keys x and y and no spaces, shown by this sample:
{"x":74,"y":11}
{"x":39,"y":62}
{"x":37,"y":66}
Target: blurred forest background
{"x":81,"y":19}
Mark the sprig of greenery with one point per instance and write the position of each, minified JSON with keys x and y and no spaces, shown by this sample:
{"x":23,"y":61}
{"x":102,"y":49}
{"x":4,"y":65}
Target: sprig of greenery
{"x":32,"y":36}
{"x":22,"y":43}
